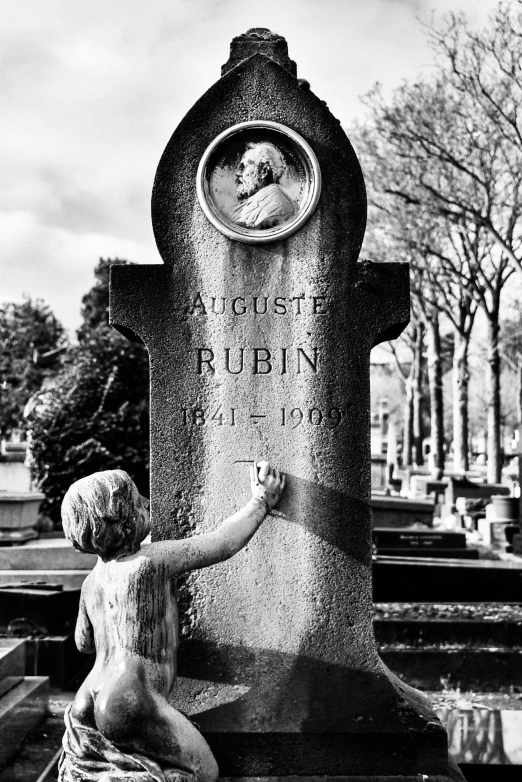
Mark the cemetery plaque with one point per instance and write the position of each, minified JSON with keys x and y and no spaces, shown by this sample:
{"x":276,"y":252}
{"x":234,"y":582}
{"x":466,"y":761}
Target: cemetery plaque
{"x":259,"y":330}
{"x":414,"y":538}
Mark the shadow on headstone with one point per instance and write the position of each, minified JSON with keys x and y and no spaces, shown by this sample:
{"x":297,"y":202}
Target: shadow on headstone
{"x":259,"y":327}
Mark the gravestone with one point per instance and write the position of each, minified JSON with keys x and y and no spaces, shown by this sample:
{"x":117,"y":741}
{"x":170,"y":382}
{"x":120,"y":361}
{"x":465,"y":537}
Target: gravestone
{"x":418,"y":539}
{"x":378,"y":472}
{"x":259,"y":332}
{"x":421,"y":543}
{"x":392,"y":511}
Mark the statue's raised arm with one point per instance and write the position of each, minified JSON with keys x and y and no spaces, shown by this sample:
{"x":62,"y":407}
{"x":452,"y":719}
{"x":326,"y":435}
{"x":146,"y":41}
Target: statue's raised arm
{"x":120,"y":724}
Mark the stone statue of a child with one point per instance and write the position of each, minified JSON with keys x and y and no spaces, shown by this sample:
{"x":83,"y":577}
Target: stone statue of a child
{"x":120,"y":725}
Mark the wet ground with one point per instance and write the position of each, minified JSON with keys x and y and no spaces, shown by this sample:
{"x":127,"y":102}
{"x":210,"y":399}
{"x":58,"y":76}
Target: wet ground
{"x":484,"y":730}
{"x":41,"y":746}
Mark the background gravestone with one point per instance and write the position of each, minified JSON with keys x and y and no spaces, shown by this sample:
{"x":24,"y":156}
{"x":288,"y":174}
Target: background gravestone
{"x":262,"y":351}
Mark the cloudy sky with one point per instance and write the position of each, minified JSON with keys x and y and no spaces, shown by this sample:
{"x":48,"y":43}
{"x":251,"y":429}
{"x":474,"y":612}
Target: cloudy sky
{"x":91,"y":91}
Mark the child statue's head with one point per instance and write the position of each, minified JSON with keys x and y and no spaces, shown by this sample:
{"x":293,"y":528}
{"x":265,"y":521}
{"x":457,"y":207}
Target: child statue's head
{"x":104,"y":514}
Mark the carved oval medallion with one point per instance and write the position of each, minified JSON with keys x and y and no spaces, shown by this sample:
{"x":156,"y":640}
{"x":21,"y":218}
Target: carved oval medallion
{"x":258,"y":182}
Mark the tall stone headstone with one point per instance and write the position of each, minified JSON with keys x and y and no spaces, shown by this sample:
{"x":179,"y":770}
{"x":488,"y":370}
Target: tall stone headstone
{"x":259,"y":331}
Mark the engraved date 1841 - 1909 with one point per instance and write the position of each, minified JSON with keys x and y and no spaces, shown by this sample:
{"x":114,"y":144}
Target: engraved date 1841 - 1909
{"x":292,"y":417}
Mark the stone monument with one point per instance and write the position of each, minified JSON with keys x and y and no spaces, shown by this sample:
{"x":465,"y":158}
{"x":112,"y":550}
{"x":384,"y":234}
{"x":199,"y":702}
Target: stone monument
{"x":259,"y":325}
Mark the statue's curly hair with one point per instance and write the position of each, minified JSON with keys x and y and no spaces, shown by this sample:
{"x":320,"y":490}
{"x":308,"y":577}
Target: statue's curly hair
{"x":99,"y":513}
{"x":268,"y":153}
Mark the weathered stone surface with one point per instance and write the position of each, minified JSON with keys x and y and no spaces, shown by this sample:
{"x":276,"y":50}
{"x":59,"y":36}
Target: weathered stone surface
{"x":259,"y":40}
{"x":264,"y":351}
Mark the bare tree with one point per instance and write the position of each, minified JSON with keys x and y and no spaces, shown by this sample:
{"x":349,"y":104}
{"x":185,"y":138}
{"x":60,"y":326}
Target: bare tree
{"x":448,"y":270}
{"x":484,"y":71}
{"x":511,"y":353}
{"x":438,"y":282}
{"x":441,"y":156}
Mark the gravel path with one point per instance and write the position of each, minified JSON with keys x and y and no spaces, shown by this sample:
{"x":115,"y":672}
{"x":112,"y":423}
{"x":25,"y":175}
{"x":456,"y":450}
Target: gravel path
{"x":478,"y":612}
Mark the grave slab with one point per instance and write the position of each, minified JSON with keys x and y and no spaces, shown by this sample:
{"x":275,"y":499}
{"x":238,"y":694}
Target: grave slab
{"x":12,"y":657}
{"x":430,"y":553}
{"x":422,"y":632}
{"x":8,"y":683}
{"x":488,"y":670}
{"x":68,"y":579}
{"x":418,"y":539}
{"x":421,"y":543}
{"x":389,"y":511}
{"x":52,"y":554}
{"x":446,"y":581}
{"x":21,"y":708}
{"x":259,"y":342}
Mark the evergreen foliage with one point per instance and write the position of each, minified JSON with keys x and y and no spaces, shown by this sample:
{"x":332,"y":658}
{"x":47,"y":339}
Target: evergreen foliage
{"x":27,"y":330}
{"x":95,"y":416}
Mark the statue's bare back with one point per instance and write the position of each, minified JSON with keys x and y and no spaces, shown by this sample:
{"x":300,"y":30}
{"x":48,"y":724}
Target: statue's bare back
{"x":128,"y":615}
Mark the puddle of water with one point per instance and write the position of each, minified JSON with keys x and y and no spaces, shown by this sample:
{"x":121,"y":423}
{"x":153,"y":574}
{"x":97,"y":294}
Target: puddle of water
{"x":484,"y":736}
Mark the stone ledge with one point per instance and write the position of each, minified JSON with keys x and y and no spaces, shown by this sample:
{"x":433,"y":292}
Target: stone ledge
{"x":53,"y":554}
{"x":12,"y":657}
{"x":380,"y":778}
{"x":21,"y":708}
{"x":69,"y":579}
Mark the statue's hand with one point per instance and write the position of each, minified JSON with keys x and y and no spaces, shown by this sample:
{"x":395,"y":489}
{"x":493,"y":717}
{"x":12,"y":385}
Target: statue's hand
{"x":267,"y":483}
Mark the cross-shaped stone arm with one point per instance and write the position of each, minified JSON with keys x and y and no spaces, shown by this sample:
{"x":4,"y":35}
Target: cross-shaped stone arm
{"x":383,"y":296}
{"x":140,"y":297}
{"x":138,"y":300}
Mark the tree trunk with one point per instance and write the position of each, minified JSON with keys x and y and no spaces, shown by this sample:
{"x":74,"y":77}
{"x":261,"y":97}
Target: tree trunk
{"x":391,"y":452}
{"x":407,"y":435}
{"x":436,"y":397}
{"x":519,"y":399}
{"x":417,"y":397}
{"x":494,"y":455}
{"x":460,"y":402}
{"x":519,"y":444}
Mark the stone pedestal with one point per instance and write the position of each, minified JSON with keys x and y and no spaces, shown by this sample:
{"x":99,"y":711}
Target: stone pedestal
{"x":18,"y":516}
{"x":501,"y":523}
{"x":15,"y":475}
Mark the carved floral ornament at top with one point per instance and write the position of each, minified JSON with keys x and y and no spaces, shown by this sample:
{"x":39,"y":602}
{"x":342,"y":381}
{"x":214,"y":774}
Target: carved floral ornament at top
{"x":258,"y":182}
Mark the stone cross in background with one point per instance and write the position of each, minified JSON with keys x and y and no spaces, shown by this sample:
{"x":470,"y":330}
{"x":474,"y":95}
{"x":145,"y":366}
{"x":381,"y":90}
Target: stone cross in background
{"x":259,"y":327}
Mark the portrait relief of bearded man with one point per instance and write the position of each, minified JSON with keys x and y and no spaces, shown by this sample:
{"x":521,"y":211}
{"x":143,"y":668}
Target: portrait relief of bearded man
{"x":263,"y":203}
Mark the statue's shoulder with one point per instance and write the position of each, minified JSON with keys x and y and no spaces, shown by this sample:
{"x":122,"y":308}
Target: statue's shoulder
{"x":87,"y":586}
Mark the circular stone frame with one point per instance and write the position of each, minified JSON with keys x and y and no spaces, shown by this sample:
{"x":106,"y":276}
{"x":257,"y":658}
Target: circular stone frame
{"x":215,"y":162}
